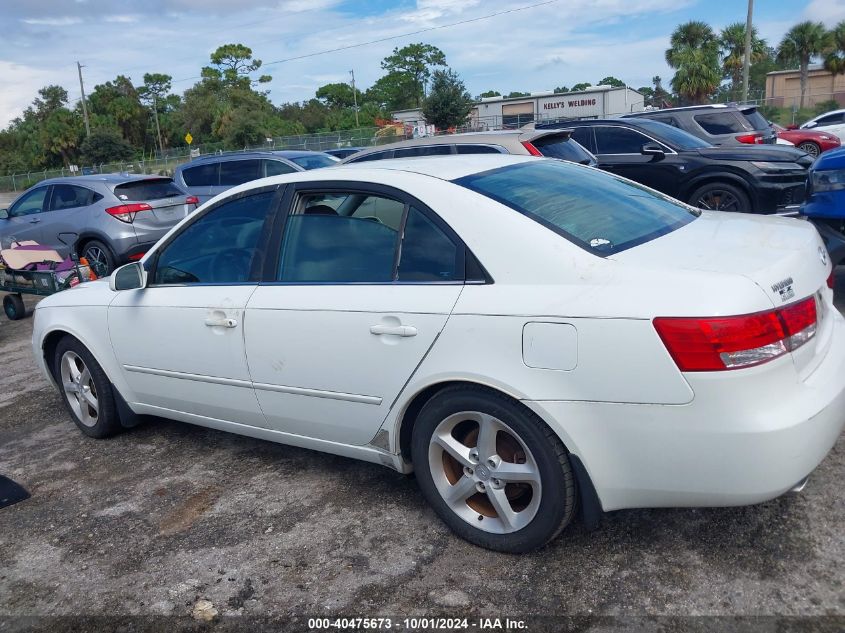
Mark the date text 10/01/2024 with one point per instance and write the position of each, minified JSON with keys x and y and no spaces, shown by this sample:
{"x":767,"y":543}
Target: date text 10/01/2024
{"x":420,"y":623}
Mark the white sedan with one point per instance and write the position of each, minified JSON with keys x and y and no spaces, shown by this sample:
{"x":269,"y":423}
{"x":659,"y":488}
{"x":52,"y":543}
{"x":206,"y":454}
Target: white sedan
{"x":535,"y":339}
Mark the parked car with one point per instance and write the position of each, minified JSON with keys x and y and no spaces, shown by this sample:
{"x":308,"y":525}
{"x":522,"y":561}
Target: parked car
{"x":109,"y":219}
{"x":343,"y":152}
{"x":534,"y":338}
{"x":717,"y":124}
{"x":811,"y":141}
{"x":208,"y":175}
{"x":759,"y":179}
{"x":832,"y":122}
{"x":550,"y":143}
{"x":825,"y":204}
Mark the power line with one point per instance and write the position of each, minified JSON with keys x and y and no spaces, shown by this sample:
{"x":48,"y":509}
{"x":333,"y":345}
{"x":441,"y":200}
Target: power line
{"x":396,"y":37}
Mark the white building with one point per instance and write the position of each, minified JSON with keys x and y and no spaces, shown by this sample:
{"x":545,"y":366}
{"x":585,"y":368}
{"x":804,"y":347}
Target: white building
{"x":594,"y":102}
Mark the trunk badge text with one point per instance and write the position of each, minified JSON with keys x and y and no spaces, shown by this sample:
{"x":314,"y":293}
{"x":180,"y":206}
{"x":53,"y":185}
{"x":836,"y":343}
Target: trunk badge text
{"x":823,"y":256}
{"x":784,"y":289}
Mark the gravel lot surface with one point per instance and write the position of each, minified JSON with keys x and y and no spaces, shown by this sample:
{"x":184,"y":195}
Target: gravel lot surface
{"x":167,"y":515}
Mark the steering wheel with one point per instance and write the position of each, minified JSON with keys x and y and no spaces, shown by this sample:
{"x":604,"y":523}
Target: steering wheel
{"x":233,"y":264}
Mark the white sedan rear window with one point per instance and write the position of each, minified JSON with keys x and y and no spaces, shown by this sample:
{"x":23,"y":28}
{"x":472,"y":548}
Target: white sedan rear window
{"x":595,"y":210}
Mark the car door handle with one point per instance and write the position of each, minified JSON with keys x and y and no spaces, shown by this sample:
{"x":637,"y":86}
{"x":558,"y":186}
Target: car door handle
{"x":211,"y":322}
{"x":35,"y":220}
{"x":395,"y":330}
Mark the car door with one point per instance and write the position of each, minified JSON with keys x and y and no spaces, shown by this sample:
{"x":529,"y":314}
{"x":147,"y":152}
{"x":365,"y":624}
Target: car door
{"x":619,"y":150}
{"x":26,"y":217}
{"x":68,"y":213}
{"x":237,"y":172}
{"x":832,"y":124}
{"x":365,"y":281}
{"x":202,"y":180}
{"x":180,"y":339}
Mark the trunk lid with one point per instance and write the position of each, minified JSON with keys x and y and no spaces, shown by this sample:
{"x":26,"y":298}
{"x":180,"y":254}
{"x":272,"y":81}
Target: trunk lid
{"x":784,"y":257}
{"x":168,"y":203}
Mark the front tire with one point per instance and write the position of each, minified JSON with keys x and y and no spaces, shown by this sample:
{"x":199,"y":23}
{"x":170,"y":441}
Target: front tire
{"x":85,"y":389}
{"x":492,"y":470}
{"x":811,"y":148}
{"x":718,"y":196}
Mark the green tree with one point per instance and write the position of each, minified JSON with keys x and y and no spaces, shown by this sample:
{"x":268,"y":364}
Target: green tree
{"x":490,"y":93}
{"x":732,"y":44}
{"x":582,"y":86}
{"x":393,"y":91}
{"x":517,"y":93}
{"x":154,"y":94}
{"x":105,"y":145}
{"x":50,"y":99}
{"x":60,"y":134}
{"x":339,"y":95}
{"x":232,"y":65}
{"x":448,"y":104}
{"x":800,"y":44}
{"x":117,"y":103}
{"x":834,"y":59}
{"x":611,"y":81}
{"x":694,"y":54}
{"x":415,"y":61}
{"x":561,"y":89}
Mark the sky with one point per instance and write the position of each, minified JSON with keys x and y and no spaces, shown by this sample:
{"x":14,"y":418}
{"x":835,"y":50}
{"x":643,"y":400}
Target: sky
{"x":559,"y":42}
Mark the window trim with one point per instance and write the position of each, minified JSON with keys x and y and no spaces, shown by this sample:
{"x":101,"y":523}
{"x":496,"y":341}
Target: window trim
{"x":91,"y":194}
{"x":256,"y":272}
{"x":290,"y":202}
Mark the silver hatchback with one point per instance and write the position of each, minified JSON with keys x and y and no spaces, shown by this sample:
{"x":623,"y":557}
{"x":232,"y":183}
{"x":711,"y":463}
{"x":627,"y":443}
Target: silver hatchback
{"x":109,"y":219}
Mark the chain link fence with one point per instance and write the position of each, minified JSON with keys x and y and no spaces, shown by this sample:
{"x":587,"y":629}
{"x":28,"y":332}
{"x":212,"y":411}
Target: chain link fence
{"x":165,"y":162}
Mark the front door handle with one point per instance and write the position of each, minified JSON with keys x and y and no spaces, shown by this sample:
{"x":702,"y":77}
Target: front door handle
{"x":395,"y":330}
{"x":211,"y":322}
{"x":35,"y":220}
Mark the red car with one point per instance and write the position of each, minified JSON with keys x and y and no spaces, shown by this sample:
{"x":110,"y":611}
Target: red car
{"x":811,"y":141}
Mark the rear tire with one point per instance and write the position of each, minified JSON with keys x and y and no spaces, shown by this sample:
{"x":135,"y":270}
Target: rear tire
{"x":14,"y":307}
{"x":85,"y":389}
{"x":811,"y":148}
{"x":719,"y":196}
{"x":99,"y":257}
{"x":492,"y":470}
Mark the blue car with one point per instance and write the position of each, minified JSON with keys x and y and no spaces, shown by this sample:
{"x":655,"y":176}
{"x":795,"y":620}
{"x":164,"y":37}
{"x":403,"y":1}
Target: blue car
{"x":825,"y":202}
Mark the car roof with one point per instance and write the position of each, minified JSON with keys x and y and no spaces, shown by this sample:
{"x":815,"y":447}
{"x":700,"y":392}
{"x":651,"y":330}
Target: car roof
{"x":101,"y":178}
{"x":840,"y":111}
{"x":279,"y":153}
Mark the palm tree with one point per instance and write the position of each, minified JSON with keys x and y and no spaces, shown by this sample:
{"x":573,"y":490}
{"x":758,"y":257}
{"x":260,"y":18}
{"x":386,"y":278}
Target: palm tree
{"x":694,"y":54}
{"x":834,"y":60}
{"x":732,"y":43}
{"x":801,"y":43}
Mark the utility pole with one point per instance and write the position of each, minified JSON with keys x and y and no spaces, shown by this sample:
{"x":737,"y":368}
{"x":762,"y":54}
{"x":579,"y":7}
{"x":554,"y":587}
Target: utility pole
{"x":746,"y":64}
{"x":84,"y":107}
{"x":354,"y":97}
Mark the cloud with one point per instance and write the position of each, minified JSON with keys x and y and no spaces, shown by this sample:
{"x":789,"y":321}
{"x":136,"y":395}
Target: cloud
{"x":121,"y":19}
{"x":827,"y":11}
{"x":65,"y":21}
{"x":20,"y":87}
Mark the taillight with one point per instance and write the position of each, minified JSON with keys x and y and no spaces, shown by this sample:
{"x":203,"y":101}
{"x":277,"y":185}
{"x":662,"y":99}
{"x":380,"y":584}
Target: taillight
{"x":135,"y":257}
{"x":720,"y":343}
{"x":127,"y":212}
{"x":751,"y":139}
{"x":830,"y":281}
{"x":192,"y":200}
{"x":531,"y":149}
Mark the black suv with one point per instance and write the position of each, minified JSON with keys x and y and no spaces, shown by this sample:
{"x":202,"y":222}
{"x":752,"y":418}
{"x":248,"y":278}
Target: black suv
{"x":755,"y":178}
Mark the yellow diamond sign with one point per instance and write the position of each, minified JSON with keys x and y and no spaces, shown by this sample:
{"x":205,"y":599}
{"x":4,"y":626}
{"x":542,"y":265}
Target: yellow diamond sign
{"x":188,"y":138}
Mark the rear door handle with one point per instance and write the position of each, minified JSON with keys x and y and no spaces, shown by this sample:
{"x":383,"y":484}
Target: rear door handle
{"x":35,"y":220}
{"x":211,"y":322}
{"x":395,"y":330}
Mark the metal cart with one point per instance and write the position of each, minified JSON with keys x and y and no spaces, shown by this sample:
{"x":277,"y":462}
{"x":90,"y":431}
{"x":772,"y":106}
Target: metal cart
{"x":36,"y":282}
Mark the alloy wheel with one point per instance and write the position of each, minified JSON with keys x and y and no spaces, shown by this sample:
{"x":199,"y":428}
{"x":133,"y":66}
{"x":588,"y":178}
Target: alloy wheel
{"x":811,"y":148}
{"x":79,"y":389}
{"x":718,"y":200}
{"x":98,"y":260}
{"x":485,"y":472}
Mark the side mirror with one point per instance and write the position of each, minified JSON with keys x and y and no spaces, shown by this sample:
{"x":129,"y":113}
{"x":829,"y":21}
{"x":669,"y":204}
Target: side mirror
{"x":129,"y":277}
{"x":4,"y":214}
{"x":652,"y":149}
